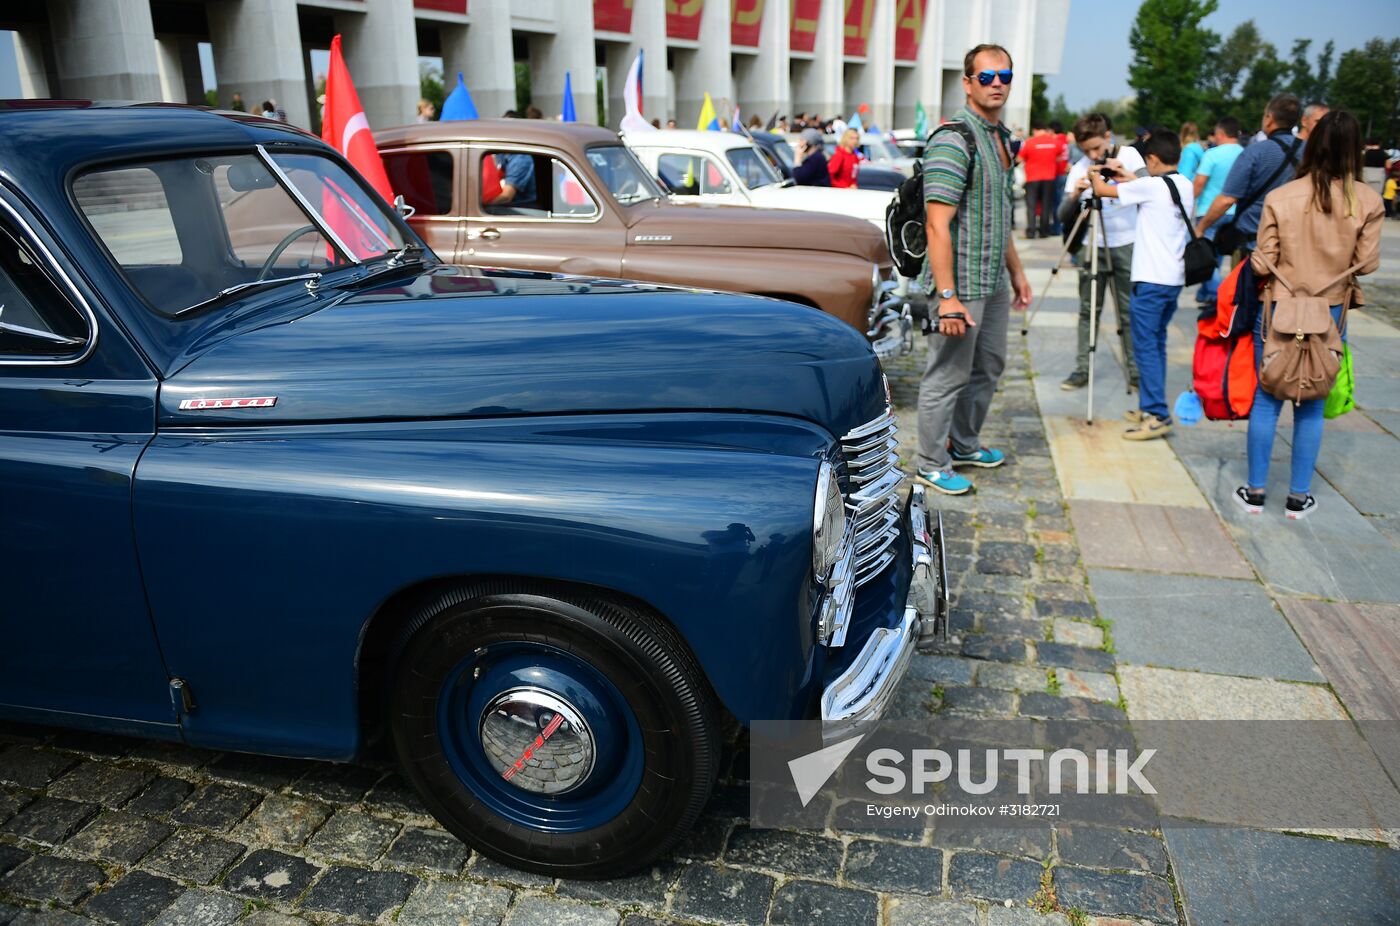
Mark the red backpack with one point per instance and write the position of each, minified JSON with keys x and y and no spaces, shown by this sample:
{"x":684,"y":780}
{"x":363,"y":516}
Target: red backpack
{"x":1223,"y":374}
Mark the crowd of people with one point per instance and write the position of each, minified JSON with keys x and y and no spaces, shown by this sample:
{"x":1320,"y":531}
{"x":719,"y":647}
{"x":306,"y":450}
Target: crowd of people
{"x":1296,"y":209}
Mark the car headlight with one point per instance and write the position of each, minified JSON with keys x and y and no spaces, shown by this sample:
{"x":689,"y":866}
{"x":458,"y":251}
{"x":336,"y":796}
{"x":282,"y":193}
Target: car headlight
{"x":828,"y":523}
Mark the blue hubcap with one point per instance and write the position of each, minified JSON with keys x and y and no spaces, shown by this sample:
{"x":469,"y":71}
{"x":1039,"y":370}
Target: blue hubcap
{"x":540,"y":737}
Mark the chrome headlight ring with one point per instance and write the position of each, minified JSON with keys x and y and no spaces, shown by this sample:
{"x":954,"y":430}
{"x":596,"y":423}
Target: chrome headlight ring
{"x":828,"y":523}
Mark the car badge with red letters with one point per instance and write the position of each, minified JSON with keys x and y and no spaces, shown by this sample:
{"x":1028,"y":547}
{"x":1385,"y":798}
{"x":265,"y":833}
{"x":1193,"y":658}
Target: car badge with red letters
{"x":266,"y":401}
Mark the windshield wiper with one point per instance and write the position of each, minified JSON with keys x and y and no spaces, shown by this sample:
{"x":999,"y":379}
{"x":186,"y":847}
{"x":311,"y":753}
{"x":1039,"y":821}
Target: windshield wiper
{"x":401,"y":255}
{"x":244,"y":287}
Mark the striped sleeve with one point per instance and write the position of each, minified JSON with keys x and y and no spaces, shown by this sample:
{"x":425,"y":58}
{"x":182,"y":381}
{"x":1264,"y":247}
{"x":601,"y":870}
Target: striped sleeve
{"x":945,"y":169}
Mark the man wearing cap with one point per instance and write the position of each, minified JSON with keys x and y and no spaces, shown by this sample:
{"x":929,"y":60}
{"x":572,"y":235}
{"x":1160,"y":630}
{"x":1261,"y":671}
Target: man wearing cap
{"x":811,"y":161}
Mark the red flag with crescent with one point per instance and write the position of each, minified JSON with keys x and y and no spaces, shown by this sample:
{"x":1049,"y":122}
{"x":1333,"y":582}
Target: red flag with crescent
{"x":345,"y":128}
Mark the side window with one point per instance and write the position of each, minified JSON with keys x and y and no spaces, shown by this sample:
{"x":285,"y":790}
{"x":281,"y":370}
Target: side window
{"x":510,"y":183}
{"x":570,"y":197}
{"x":424,"y":178}
{"x":35,"y":319}
{"x":691,"y":174}
{"x":129,"y":210}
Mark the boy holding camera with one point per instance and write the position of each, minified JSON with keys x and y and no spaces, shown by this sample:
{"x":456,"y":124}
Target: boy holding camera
{"x":1093,"y":133}
{"x":1158,"y":271}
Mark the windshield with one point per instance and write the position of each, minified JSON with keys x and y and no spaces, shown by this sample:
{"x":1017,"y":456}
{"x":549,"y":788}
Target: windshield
{"x":195,"y":230}
{"x":623,"y":174}
{"x":752,"y":169}
{"x":880,"y":149}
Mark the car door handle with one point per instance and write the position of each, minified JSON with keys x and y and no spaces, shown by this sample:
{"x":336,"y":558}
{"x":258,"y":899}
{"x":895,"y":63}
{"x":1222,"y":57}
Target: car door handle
{"x":490,"y":234}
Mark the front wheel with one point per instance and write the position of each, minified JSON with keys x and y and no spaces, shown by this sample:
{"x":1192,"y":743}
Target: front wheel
{"x":562,"y":734}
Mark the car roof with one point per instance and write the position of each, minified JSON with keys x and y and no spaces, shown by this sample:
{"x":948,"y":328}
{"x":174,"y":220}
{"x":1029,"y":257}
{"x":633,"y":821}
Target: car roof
{"x":691,"y":138}
{"x":71,"y":133}
{"x":525,"y":131}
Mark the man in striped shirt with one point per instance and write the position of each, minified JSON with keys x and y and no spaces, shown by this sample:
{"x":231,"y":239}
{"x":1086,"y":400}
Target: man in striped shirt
{"x":969,"y":206}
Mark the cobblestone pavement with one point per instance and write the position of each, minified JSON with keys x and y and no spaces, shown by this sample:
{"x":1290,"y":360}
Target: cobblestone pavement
{"x":106,"y":830}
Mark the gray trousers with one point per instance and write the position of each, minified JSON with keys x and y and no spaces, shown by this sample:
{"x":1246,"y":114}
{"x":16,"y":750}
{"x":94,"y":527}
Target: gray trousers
{"x":1120,"y":278}
{"x":957,"y":386}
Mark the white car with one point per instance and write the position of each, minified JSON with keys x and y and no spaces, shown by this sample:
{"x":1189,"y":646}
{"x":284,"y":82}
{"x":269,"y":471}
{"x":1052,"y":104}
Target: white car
{"x":725,"y":168}
{"x":722,"y":167}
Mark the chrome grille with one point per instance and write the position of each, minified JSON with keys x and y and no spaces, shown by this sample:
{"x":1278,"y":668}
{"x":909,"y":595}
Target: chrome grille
{"x":873,"y":478}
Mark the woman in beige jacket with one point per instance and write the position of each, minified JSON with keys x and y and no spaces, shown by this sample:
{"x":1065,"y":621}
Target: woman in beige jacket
{"x":1313,"y":230}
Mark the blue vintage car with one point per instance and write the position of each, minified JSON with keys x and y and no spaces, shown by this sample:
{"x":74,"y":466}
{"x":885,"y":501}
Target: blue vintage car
{"x":277,"y":480}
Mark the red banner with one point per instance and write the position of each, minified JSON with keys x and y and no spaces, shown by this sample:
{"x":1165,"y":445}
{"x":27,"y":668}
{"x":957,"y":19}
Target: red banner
{"x":908,"y":28}
{"x":857,"y":31}
{"x":612,"y":15}
{"x":443,"y":6}
{"x":745,"y":22}
{"x":803,"y":34}
{"x":683,"y":19}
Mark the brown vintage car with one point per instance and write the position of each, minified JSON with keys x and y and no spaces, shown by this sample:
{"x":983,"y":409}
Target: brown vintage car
{"x":595,"y":210}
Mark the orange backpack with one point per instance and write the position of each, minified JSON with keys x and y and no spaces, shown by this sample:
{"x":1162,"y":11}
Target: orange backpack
{"x":1223,"y":374}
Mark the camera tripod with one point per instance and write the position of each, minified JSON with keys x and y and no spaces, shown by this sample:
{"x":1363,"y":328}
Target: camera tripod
{"x":1093,"y":211}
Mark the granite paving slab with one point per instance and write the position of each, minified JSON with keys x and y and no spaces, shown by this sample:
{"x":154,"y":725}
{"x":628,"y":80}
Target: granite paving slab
{"x":1171,"y":694}
{"x":1386,"y":418}
{"x":1093,"y":461}
{"x":1362,"y":467}
{"x":1157,"y":538}
{"x":1335,"y":553}
{"x":1375,"y":391}
{"x":1358,"y":648}
{"x":1226,"y":626}
{"x":1241,"y":877}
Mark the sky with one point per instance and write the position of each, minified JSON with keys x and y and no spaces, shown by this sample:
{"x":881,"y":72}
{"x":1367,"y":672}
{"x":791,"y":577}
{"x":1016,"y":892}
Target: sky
{"x":1096,"y":51}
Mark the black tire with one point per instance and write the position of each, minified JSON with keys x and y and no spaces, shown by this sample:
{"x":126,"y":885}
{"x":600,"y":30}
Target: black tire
{"x":642,"y":656}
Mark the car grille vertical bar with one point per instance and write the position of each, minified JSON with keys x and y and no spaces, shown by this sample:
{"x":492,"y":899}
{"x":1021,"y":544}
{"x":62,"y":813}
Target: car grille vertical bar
{"x":873,"y":478}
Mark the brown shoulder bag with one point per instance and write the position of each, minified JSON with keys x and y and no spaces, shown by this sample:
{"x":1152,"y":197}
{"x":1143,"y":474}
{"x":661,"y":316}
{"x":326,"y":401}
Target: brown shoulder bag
{"x":1302,"y":349}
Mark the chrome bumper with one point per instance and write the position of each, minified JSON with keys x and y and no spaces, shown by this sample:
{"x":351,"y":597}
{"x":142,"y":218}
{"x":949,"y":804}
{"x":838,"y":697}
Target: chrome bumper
{"x":857,"y":699}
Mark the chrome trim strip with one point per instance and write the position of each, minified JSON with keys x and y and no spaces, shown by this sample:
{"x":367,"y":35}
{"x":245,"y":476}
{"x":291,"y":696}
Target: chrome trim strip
{"x":52,"y":267}
{"x":305,"y":204}
{"x":870,"y":427}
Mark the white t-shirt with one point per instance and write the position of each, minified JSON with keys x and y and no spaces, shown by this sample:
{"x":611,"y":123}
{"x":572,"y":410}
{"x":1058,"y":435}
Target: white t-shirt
{"x":1161,"y":236}
{"x":1118,"y":217}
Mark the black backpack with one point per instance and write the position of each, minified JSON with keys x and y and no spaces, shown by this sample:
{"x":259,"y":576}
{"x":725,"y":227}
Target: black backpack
{"x":905,"y":217}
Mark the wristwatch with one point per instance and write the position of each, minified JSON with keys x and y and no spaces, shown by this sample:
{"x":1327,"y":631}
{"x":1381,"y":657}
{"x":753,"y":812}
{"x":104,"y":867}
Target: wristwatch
{"x":947,"y":294}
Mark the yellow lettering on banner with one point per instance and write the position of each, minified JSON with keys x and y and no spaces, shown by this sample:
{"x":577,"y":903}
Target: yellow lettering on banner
{"x":910,"y":15}
{"x":799,"y":24}
{"x":684,"y":7}
{"x":861,"y":29}
{"x":746,"y":17}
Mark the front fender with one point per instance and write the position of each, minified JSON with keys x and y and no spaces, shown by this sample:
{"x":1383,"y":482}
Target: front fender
{"x":266,"y":551}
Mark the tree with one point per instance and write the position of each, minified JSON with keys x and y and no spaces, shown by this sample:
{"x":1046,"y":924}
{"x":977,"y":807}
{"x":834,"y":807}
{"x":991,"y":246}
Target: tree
{"x":1040,"y":104}
{"x":1303,"y":82}
{"x":1227,"y":67}
{"x":1367,"y":84}
{"x":1264,"y":81}
{"x":1061,"y":113}
{"x":1168,"y":45}
{"x":430,"y":86}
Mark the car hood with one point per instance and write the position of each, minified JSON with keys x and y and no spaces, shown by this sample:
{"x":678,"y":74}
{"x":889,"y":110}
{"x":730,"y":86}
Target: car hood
{"x":713,"y":226}
{"x":455,"y":342}
{"x":861,"y":204}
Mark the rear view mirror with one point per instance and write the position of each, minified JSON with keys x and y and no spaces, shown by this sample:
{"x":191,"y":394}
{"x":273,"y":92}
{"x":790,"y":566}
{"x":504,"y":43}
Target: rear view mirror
{"x":246,"y":174}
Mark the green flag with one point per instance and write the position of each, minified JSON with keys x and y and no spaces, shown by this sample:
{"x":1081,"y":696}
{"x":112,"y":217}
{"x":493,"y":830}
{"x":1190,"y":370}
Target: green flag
{"x":920,"y":121}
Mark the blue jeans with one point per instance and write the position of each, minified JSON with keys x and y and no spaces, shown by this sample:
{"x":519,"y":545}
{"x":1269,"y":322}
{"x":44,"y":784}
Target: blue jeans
{"x":1263,"y":423}
{"x":1208,"y":289}
{"x":1151,"y":309}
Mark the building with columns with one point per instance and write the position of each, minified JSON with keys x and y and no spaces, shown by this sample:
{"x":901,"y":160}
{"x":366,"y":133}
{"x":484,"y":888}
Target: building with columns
{"x":822,"y":56}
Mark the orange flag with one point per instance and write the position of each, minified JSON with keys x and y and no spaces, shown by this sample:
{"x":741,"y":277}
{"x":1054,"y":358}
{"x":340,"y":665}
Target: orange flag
{"x":345,"y":128}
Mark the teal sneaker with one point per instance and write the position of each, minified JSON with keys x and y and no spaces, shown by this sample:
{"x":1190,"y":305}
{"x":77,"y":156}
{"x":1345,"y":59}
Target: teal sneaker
{"x":949,"y":483}
{"x":985,"y":457}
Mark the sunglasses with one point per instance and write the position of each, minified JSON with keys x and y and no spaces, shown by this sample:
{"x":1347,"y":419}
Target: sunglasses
{"x":985,"y":78}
